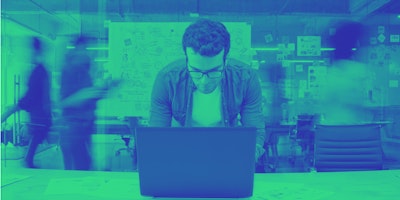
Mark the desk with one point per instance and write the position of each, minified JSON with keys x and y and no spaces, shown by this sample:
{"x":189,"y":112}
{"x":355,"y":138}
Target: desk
{"x":76,"y":185}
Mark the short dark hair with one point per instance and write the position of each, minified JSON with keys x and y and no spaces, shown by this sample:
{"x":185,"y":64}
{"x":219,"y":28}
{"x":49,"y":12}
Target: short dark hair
{"x":37,"y":44}
{"x":348,"y":35}
{"x":206,"y":37}
{"x":80,"y":40}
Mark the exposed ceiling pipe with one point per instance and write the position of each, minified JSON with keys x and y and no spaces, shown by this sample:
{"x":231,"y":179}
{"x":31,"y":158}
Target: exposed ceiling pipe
{"x":4,"y":16}
{"x":41,"y":7}
{"x":362,"y":9}
{"x":50,"y":12}
{"x":283,"y":7}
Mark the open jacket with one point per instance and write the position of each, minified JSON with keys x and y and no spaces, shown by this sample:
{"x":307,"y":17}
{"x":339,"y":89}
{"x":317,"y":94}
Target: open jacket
{"x":241,"y":97}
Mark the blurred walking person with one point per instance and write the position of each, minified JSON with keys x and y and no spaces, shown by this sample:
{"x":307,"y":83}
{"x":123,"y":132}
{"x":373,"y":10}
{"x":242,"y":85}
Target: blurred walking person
{"x":78,"y":103}
{"x":36,"y":102}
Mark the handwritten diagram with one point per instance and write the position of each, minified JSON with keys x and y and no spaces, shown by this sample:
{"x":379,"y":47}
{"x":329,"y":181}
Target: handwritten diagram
{"x":137,"y":52}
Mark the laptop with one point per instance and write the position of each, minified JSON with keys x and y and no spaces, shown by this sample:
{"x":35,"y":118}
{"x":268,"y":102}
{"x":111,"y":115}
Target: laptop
{"x":196,"y":162}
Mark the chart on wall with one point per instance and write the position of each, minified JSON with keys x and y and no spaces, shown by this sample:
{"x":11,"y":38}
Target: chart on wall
{"x":308,"y":46}
{"x":138,"y":50}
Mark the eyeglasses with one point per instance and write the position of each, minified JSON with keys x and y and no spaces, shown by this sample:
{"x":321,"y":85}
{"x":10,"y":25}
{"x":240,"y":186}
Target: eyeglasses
{"x":210,"y":74}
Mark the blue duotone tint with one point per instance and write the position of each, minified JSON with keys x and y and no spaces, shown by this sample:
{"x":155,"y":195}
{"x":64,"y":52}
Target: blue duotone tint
{"x":196,"y":162}
{"x":348,"y":147}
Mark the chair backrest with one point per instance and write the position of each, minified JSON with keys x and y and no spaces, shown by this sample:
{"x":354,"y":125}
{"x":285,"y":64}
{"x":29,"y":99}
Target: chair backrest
{"x":348,"y":147}
{"x":304,"y":126}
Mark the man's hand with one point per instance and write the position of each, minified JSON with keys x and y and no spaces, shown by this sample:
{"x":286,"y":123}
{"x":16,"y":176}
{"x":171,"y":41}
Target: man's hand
{"x":259,"y":151}
{"x":110,"y":84}
{"x":90,"y":93}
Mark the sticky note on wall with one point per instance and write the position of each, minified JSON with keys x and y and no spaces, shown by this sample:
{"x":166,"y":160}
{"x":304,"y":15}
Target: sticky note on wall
{"x":268,"y":38}
{"x":299,"y":68}
{"x":285,"y":63}
{"x":393,"y":83}
{"x":381,"y":29}
{"x":394,"y":38}
{"x":291,"y":46}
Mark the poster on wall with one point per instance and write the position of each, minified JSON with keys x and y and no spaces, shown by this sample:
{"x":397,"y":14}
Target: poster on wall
{"x":308,"y":46}
{"x":316,"y":79}
{"x":139,"y":50}
{"x":384,"y":64}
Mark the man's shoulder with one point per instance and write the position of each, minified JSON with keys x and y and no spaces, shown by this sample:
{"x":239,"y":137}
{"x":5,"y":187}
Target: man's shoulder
{"x":239,"y":69}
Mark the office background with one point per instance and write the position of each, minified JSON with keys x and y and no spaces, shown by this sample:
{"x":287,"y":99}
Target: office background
{"x":285,"y":41}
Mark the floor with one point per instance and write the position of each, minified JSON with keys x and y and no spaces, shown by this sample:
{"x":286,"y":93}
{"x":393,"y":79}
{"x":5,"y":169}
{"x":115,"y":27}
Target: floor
{"x":49,"y":156}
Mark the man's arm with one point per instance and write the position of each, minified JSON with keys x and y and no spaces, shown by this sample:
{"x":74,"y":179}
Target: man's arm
{"x":81,"y":96}
{"x":35,"y":85}
{"x":251,"y":113}
{"x":160,"y":108}
{"x":9,"y":111}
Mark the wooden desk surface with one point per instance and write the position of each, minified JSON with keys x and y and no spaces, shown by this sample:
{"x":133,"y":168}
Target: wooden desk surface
{"x":41,"y":184}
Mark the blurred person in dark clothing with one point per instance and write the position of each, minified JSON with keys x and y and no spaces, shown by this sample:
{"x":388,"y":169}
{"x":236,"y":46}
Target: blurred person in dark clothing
{"x":78,"y":103}
{"x":36,"y":102}
{"x":345,"y":93}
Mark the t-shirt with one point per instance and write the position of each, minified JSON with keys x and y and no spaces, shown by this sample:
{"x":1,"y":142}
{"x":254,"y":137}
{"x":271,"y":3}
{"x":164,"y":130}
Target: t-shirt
{"x":207,"y":109}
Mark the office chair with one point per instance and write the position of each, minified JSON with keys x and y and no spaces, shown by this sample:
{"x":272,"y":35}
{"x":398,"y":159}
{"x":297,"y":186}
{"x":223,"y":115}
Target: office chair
{"x":132,"y":123}
{"x":302,"y":136}
{"x":348,"y":148}
{"x":271,"y":155}
{"x":127,"y":147}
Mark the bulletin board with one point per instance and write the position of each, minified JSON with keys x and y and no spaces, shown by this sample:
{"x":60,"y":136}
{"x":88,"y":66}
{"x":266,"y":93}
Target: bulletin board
{"x":384,"y":62}
{"x":138,"y":50}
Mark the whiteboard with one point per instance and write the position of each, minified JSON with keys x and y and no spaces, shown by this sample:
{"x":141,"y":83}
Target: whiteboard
{"x":138,"y":50}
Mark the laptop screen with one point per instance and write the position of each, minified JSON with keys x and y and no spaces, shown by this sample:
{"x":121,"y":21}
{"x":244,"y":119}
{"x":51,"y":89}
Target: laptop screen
{"x":196,"y":162}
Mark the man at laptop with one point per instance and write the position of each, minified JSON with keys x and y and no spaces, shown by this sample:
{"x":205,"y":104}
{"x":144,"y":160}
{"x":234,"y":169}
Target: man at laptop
{"x":206,"y":89}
